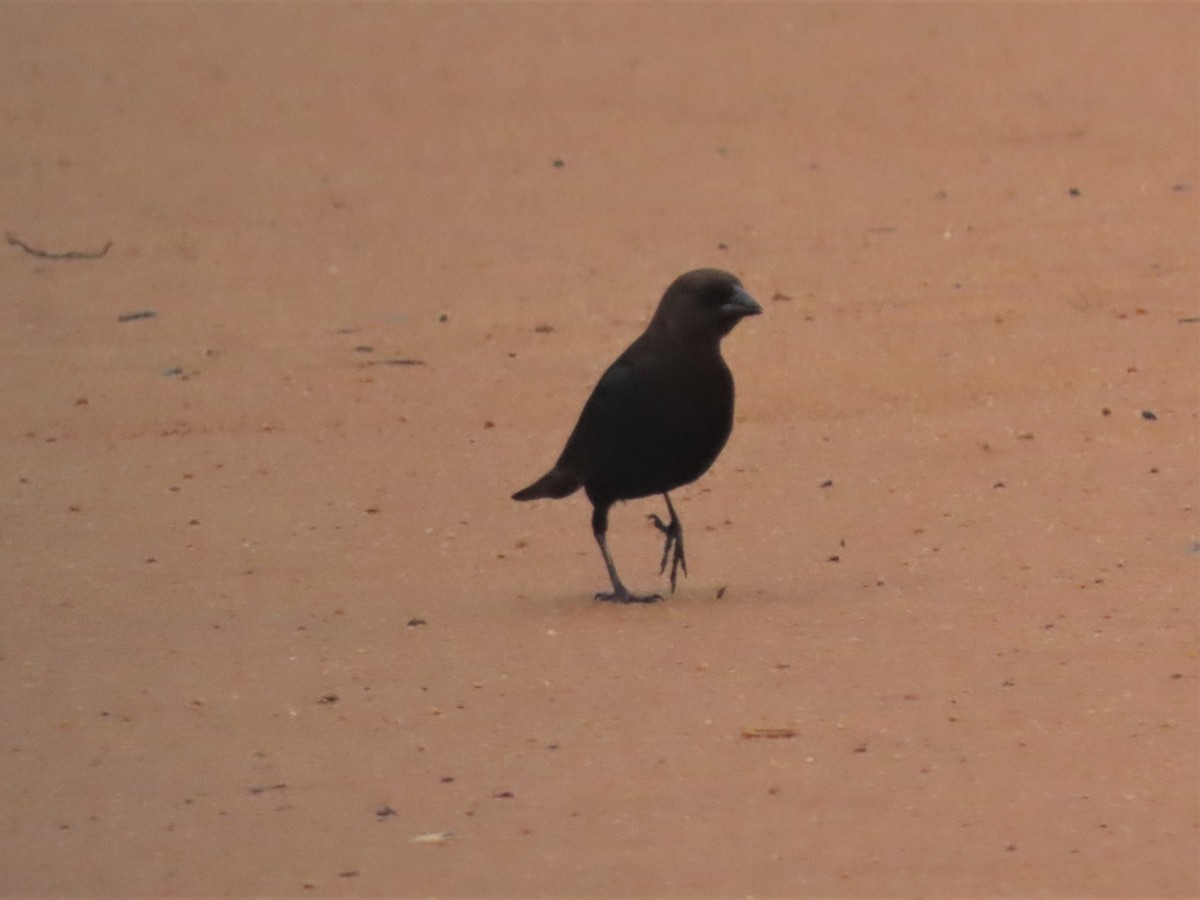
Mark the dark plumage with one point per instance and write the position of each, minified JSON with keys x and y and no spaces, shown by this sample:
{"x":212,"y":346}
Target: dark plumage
{"x":658,"y":417}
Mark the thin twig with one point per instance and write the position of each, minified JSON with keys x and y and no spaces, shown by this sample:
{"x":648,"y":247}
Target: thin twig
{"x":68,"y":254}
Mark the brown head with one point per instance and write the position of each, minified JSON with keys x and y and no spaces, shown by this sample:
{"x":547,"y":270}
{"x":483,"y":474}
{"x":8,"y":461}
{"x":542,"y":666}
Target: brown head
{"x":702,"y":305}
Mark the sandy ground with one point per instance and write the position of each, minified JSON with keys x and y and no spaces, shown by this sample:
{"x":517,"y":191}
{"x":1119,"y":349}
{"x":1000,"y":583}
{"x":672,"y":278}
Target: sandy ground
{"x":271,"y":624}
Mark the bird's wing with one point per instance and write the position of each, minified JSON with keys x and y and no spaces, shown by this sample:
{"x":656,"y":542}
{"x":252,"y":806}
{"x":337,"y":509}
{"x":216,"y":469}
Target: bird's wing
{"x":612,"y":416}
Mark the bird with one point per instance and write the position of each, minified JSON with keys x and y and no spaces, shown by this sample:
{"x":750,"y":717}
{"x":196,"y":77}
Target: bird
{"x":658,"y":417}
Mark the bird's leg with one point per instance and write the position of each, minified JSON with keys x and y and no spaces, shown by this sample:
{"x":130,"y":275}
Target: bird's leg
{"x":620,"y":594}
{"x":674,"y":532}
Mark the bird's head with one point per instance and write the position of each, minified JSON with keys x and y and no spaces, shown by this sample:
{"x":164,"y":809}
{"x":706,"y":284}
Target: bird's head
{"x":703,"y":303}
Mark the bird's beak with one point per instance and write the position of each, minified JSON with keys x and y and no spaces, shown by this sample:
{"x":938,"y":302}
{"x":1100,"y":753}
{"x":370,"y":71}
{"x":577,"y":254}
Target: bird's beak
{"x":740,"y":304}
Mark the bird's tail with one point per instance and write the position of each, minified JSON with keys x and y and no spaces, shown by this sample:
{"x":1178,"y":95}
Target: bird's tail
{"x":554,"y":484}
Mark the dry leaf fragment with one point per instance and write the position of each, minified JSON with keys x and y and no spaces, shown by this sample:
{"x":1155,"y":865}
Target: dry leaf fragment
{"x":772,"y":733}
{"x":433,"y":837}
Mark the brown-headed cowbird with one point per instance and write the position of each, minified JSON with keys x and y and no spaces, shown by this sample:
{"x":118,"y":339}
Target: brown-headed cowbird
{"x":658,"y":417}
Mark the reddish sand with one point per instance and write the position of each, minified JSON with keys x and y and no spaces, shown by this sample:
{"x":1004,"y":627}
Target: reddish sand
{"x":271,"y":624}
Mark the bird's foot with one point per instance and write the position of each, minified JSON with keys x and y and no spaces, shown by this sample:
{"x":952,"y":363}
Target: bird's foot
{"x":673,"y":548}
{"x":624,"y":596}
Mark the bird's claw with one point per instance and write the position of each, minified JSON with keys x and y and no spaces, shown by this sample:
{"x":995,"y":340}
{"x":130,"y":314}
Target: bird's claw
{"x":673,"y":548}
